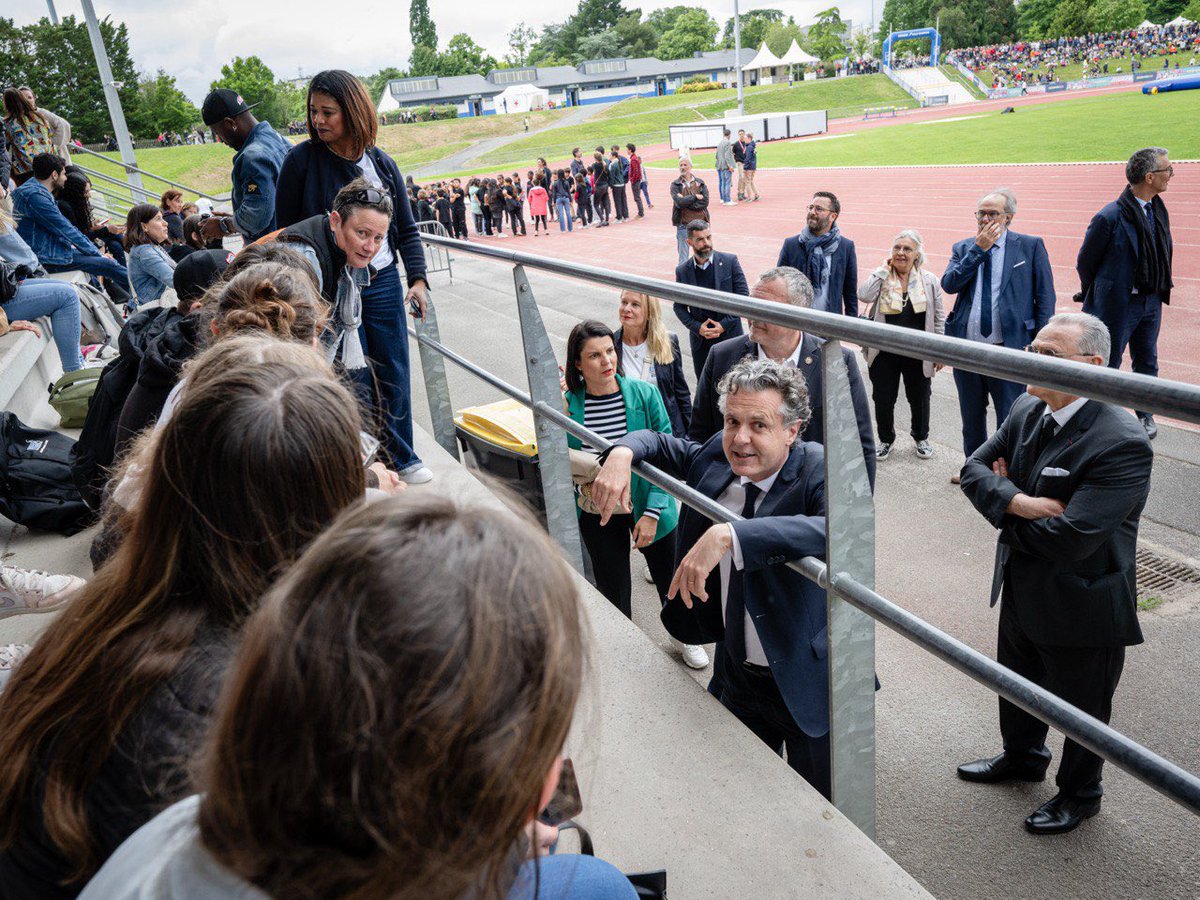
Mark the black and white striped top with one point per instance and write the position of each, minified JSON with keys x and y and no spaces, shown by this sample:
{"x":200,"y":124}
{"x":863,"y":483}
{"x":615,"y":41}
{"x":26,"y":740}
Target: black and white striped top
{"x":605,"y":416}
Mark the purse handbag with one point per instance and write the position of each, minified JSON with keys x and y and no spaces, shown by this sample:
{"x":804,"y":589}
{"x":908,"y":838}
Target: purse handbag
{"x":8,"y":281}
{"x":584,"y":469}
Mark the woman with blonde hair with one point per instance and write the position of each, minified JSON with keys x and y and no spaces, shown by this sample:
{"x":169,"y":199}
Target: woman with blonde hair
{"x":651,"y":353}
{"x":901,"y":292}
{"x":320,"y":779}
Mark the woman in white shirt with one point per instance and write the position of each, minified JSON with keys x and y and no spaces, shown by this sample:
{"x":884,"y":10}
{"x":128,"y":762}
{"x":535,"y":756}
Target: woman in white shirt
{"x":651,"y":353}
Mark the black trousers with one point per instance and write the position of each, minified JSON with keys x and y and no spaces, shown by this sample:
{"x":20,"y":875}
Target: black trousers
{"x":609,"y":546}
{"x":600,"y":201}
{"x":620,"y":202}
{"x":459,"y":217}
{"x":517,"y":217}
{"x":586,"y":215}
{"x":753,"y":696}
{"x":1085,"y":677}
{"x":486,"y":215}
{"x":886,"y":372}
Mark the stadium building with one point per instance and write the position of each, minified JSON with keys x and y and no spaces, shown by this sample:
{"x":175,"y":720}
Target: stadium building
{"x":594,"y":81}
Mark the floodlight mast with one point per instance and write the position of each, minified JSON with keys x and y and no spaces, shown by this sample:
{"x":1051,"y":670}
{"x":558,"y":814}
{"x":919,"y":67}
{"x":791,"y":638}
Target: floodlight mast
{"x":737,"y":57}
{"x":120,"y":129}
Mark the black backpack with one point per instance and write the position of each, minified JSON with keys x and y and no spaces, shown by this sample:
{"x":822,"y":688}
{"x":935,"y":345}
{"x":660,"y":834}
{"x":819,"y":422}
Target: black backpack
{"x":36,"y":488}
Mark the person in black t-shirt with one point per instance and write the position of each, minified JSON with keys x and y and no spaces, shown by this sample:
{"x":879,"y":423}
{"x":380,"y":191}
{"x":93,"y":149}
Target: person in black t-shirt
{"x":458,"y":209}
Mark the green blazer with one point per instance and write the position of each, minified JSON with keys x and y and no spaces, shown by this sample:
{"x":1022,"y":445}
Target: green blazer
{"x":644,"y":410}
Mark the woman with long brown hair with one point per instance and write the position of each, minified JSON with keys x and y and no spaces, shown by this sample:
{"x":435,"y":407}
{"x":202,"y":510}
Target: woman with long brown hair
{"x":151,"y":268}
{"x":388,"y":729}
{"x":26,"y":134}
{"x":99,"y":719}
{"x":342,"y":130}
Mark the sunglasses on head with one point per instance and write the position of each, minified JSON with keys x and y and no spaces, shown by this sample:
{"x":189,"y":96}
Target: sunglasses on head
{"x":369,"y":195}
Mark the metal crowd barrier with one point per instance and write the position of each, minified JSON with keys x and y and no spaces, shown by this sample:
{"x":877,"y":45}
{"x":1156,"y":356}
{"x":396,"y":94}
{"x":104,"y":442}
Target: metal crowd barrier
{"x":437,"y":258}
{"x":848,"y":571}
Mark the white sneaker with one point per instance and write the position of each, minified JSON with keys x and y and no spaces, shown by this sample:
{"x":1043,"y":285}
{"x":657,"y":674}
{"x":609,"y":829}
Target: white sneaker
{"x":32,"y":591}
{"x":417,"y":474}
{"x":646,"y":573}
{"x":695,"y":656}
{"x":924,"y":450}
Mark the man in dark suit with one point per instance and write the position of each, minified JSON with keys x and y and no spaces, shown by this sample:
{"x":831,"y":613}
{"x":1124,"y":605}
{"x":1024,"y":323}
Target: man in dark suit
{"x":1005,"y":295}
{"x":1064,"y":478}
{"x":717,"y":271}
{"x":1124,"y":265}
{"x":791,"y":347}
{"x":731,"y":583}
{"x":825,"y":256}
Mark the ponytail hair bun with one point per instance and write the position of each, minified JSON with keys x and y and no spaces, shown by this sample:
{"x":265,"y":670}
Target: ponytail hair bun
{"x":270,"y":297}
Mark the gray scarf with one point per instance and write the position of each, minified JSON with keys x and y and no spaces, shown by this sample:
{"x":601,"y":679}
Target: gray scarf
{"x":820,"y":250}
{"x":347,"y":317}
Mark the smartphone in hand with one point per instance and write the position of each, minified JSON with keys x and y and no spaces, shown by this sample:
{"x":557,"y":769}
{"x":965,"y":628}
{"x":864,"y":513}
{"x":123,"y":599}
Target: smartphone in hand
{"x":566,"y":803}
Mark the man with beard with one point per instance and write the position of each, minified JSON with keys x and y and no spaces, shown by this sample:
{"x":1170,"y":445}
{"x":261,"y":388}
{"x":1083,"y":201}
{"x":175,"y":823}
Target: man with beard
{"x":826,"y":256}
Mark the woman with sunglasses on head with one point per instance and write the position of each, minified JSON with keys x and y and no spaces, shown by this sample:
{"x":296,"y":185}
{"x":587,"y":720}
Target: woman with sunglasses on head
{"x":342,"y":128}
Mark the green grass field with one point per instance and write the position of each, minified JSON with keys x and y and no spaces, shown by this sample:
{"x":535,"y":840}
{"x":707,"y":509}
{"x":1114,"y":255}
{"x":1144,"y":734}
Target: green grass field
{"x":1074,"y":71}
{"x":1084,"y":129}
{"x":646,"y":120}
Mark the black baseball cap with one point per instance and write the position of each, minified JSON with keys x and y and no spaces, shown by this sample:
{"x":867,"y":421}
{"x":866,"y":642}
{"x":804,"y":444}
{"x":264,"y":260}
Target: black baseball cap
{"x":198,"y":271}
{"x":223,"y":104}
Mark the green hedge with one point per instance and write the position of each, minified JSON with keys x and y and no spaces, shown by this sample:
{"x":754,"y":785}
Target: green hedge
{"x":696,"y":87}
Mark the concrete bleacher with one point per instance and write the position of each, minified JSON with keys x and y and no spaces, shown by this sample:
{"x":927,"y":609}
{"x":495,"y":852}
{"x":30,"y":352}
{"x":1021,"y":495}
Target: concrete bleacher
{"x":670,"y":778}
{"x":927,"y":82}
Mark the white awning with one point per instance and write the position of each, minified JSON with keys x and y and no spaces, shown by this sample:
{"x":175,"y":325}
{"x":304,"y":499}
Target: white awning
{"x":1146,"y":23}
{"x":764,"y":59}
{"x":1179,"y":21}
{"x":797,"y":57}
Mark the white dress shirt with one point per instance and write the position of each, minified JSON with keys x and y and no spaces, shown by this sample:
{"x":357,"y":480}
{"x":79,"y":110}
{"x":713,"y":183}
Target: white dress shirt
{"x":733,"y":498}
{"x":793,"y":361}
{"x":1064,"y":415}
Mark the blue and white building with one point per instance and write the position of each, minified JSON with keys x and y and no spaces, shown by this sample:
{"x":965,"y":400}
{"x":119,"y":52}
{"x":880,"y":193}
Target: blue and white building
{"x":593,"y":81}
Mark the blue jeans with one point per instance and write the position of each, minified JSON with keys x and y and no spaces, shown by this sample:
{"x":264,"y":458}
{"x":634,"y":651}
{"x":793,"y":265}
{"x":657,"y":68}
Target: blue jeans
{"x":383,"y":386}
{"x":973,"y":392}
{"x":643,"y":186}
{"x":724,"y":182}
{"x":95,"y":265}
{"x":37,"y":297}
{"x":570,"y":876}
{"x":681,"y":243}
{"x":562,"y":207}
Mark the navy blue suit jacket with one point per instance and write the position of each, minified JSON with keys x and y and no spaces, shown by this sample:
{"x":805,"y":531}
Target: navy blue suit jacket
{"x":706,"y":415}
{"x":676,"y":395}
{"x":729,"y":278}
{"x":1026,"y":298}
{"x":1107,"y":263}
{"x":787,"y":608}
{"x":843,"y":272}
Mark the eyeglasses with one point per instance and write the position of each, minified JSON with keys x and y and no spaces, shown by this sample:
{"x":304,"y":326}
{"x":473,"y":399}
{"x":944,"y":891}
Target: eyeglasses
{"x":368,"y":195}
{"x":812,"y":207}
{"x":989,"y":214}
{"x":1046,"y":351}
{"x":1170,"y":170}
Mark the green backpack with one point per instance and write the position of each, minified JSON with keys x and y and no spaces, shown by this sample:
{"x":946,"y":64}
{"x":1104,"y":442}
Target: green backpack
{"x":71,"y":394}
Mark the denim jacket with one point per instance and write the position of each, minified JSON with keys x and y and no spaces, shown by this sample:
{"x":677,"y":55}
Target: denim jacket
{"x":151,"y":272}
{"x":255,"y":173}
{"x":54,"y":240}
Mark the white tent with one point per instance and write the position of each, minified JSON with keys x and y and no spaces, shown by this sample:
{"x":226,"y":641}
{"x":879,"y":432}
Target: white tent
{"x":1146,"y":23}
{"x":765,"y":59}
{"x":1179,"y":22}
{"x":521,"y":98}
{"x":797,"y":57}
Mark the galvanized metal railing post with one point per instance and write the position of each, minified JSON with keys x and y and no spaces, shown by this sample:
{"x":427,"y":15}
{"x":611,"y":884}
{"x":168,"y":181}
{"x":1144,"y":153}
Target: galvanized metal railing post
{"x":437,"y":388}
{"x":554,"y":464}
{"x":850,"y":541}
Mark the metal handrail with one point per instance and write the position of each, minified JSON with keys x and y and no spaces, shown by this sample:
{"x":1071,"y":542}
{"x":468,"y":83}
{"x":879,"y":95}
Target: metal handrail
{"x":128,"y":168}
{"x":1122,"y":751}
{"x":132,"y":188}
{"x":1157,"y":395}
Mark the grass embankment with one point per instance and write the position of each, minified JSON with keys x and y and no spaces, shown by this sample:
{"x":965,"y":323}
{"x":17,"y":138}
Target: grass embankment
{"x":1074,"y":71}
{"x":646,"y":120}
{"x":206,"y":167}
{"x":1097,"y":128}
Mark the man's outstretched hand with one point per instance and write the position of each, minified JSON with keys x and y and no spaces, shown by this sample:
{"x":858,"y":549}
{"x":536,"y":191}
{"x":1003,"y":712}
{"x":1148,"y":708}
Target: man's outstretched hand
{"x":610,"y":490}
{"x":704,"y":556}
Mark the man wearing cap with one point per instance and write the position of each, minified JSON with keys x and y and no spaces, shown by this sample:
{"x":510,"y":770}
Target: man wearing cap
{"x":256,"y":164}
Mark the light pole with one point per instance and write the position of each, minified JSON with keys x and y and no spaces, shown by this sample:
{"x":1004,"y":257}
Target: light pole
{"x":120,"y":129}
{"x":737,"y":57}
{"x":53,"y":12}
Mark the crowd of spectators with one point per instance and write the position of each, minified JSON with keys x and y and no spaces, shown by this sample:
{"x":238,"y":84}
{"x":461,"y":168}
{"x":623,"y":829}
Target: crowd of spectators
{"x":1037,"y":62}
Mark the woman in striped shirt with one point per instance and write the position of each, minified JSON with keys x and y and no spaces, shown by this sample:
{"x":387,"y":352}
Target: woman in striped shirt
{"x":602,"y":399}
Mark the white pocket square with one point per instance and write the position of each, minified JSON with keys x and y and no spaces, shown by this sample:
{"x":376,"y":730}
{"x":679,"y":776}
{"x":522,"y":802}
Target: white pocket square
{"x":1051,"y":472}
{"x":1018,"y":265}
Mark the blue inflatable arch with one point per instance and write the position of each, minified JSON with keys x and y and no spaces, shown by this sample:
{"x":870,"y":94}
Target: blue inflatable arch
{"x":935,"y":43}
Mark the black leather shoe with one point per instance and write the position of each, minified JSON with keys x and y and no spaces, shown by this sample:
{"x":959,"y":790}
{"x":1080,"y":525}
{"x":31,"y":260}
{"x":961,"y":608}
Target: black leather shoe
{"x":1001,"y":768}
{"x":1148,"y":423}
{"x":1060,"y":814}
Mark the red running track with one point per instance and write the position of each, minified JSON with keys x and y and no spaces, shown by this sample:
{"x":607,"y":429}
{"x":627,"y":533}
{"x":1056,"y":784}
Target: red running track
{"x":1055,"y":202}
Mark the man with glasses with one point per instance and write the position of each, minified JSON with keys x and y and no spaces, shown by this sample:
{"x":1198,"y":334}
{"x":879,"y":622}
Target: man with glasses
{"x":1124,"y":265}
{"x":1064,"y":480}
{"x":825,"y":256}
{"x":1005,"y":295}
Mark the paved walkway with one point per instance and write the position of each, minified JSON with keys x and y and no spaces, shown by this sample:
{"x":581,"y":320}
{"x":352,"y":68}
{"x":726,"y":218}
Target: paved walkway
{"x":465,"y":159}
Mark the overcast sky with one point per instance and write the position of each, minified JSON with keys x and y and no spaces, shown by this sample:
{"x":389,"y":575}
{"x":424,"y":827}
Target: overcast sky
{"x":190,"y":39}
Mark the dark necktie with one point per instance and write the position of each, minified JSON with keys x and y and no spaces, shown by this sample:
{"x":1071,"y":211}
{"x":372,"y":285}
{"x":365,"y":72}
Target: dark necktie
{"x":735,"y":604}
{"x":1046,"y":433}
{"x":1150,"y":216}
{"x":985,"y":295}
